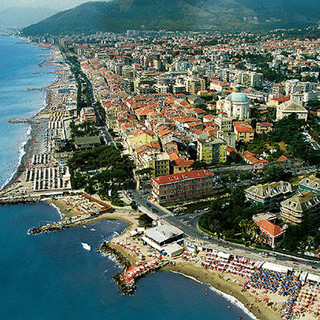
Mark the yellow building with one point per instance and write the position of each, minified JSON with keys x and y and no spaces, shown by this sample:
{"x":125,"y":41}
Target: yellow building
{"x":140,"y":137}
{"x":244,"y":132}
{"x":159,"y":162}
{"x":181,"y":165}
{"x":211,"y":151}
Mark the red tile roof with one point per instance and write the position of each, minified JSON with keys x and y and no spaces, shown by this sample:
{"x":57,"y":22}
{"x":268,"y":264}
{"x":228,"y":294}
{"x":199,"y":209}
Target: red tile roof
{"x":181,"y":162}
{"x":265,"y":124}
{"x":269,"y":227}
{"x":281,"y":99}
{"x":282,"y":158}
{"x":242,"y":126}
{"x":178,"y":177}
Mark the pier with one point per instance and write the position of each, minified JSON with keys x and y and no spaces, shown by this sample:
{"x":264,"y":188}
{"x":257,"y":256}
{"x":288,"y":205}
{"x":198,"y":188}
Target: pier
{"x":126,"y":279}
{"x":88,"y":208}
{"x":19,"y":200}
{"x":22,"y":120}
{"x":61,"y":225}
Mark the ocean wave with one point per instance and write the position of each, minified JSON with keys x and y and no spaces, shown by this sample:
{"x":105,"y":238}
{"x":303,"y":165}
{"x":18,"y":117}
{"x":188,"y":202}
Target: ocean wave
{"x":58,"y":209}
{"x":228,"y":297}
{"x":111,"y":258}
{"x":22,"y":152}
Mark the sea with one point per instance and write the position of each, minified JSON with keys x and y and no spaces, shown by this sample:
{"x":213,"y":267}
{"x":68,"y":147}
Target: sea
{"x":52,"y":276}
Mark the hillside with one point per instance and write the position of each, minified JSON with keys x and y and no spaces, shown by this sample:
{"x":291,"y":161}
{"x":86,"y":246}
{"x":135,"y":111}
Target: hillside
{"x":121,"y":15}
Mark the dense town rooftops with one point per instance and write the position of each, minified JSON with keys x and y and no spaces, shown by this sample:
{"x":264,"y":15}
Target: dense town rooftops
{"x":281,"y":99}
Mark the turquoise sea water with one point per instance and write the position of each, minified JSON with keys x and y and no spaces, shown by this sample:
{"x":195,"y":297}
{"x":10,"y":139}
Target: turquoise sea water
{"x":18,"y":60}
{"x":51,"y":276}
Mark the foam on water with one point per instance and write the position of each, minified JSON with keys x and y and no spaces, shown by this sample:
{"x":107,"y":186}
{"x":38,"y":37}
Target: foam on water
{"x":50,"y":275}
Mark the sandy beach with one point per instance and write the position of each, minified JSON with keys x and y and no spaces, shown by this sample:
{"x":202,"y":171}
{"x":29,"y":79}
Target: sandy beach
{"x":38,"y":123}
{"x":262,"y":304}
{"x":212,"y":278}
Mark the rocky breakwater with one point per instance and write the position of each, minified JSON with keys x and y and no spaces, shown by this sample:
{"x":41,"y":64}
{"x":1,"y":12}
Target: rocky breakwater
{"x":63,"y":224}
{"x":22,"y":120}
{"x":126,"y":279}
{"x":19,"y":200}
{"x":49,"y":228}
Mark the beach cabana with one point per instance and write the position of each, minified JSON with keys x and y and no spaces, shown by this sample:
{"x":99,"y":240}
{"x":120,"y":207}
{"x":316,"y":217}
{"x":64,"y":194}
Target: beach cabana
{"x":276,"y":267}
{"x":313,"y":277}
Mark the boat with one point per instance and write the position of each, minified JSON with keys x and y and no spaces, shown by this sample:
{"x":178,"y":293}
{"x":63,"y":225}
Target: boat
{"x":86,"y":246}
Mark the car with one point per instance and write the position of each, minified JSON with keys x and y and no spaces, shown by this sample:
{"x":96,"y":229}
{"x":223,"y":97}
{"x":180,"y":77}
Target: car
{"x":155,"y":210}
{"x":148,"y":205}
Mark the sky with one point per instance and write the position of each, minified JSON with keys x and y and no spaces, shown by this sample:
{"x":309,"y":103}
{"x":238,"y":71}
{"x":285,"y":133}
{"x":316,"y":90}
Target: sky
{"x":57,"y":4}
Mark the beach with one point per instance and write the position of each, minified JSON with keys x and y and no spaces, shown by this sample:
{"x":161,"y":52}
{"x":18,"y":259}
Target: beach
{"x":38,"y":141}
{"x":244,"y":300}
{"x":231,"y":287}
{"x":55,"y":278}
{"x":41,"y":177}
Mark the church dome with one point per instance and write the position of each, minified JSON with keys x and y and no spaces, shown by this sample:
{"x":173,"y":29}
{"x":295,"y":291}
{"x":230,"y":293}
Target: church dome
{"x":237,"y":97}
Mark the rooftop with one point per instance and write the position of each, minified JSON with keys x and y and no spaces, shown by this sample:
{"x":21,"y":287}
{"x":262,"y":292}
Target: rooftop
{"x":237,"y":97}
{"x":178,"y":177}
{"x":269,"y":227}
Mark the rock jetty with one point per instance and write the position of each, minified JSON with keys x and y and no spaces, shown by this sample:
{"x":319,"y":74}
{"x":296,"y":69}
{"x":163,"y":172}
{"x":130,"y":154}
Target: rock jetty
{"x":22,"y":120}
{"x":19,"y":200}
{"x":124,"y":279}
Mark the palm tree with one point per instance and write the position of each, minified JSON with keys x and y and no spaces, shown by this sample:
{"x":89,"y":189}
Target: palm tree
{"x":243,"y":224}
{"x":261,"y":238}
{"x":215,"y":226}
{"x":310,"y":242}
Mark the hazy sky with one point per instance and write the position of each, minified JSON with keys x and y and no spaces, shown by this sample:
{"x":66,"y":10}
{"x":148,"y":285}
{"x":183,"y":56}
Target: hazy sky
{"x":61,"y":4}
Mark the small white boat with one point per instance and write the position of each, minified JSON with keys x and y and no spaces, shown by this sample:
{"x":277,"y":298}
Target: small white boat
{"x":86,"y":246}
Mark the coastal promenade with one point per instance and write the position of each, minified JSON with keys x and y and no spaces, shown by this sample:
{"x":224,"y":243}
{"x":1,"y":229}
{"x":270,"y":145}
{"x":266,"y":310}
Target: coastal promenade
{"x":41,"y":173}
{"x":44,"y":175}
{"x":191,"y":229}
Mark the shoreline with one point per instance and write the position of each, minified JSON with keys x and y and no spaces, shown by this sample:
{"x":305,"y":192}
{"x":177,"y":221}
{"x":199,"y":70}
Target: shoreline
{"x":28,"y":149}
{"x":27,"y":146}
{"x":228,"y":297}
{"x":184,"y":268}
{"x":216,"y":284}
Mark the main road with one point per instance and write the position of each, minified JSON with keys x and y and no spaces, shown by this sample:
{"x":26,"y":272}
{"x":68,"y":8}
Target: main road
{"x":188,"y":224}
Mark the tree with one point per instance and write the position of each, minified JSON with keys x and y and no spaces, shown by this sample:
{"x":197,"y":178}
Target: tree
{"x":134,"y":205}
{"x":144,"y":171}
{"x":237,"y":196}
{"x":274,"y":173}
{"x":243,"y":224}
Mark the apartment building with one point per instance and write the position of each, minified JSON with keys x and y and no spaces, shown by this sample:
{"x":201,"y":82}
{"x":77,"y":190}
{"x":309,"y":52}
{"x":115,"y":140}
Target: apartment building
{"x":293,"y":209}
{"x":182,"y":186}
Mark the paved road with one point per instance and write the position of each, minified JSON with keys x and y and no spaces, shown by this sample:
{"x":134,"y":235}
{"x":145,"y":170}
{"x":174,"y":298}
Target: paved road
{"x":106,"y":136}
{"x":188,"y":223}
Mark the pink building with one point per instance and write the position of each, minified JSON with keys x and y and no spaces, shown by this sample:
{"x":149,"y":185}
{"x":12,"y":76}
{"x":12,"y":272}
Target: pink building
{"x":185,"y":185}
{"x":271,"y":231}
{"x":88,"y":115}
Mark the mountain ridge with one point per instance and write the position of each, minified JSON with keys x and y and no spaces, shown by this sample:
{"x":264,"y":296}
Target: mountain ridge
{"x":225,"y":15}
